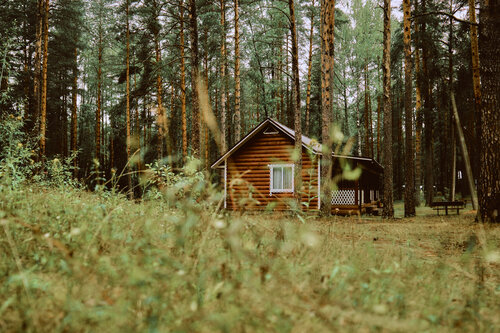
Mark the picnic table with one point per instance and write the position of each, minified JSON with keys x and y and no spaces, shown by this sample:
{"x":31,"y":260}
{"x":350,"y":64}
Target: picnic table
{"x":444,"y":205}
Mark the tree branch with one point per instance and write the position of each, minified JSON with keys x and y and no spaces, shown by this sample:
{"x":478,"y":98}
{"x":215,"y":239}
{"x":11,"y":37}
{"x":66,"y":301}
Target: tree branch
{"x":443,"y":13}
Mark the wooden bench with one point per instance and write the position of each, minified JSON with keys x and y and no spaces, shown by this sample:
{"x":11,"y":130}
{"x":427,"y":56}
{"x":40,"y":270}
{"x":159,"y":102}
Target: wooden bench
{"x":444,"y":205}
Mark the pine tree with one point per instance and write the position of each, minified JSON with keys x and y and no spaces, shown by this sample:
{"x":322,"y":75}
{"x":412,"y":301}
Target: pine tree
{"x":489,"y":53}
{"x":193,"y":34}
{"x":183,"y":83}
{"x":296,"y":104}
{"x":388,"y":210}
{"x":237,"y":88}
{"x":127,"y":96}
{"x":309,"y":71}
{"x":223,"y":115}
{"x":327,"y":48}
{"x":409,"y":150}
{"x":43,"y":108}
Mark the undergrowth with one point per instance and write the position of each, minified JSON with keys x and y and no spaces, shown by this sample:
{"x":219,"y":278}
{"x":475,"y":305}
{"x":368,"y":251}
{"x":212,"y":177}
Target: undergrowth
{"x":80,"y":261}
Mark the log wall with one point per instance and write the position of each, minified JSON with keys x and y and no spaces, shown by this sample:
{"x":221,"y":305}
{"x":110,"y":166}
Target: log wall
{"x":248,"y":175}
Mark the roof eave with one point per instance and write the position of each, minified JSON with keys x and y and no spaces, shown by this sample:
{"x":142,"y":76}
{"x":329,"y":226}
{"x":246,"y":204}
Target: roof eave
{"x":250,"y":135}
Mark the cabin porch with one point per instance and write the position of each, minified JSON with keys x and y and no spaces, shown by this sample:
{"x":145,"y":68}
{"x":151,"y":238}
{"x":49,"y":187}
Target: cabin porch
{"x":353,"y":201}
{"x":360,"y":196}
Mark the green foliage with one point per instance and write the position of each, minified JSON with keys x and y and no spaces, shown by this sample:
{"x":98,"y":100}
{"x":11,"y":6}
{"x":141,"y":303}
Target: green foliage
{"x":76,"y":261}
{"x":189,"y":183}
{"x":18,"y":157}
{"x":16,"y":153}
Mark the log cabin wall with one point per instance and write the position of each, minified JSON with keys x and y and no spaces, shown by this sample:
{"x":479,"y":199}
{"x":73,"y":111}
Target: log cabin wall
{"x":248,"y":174}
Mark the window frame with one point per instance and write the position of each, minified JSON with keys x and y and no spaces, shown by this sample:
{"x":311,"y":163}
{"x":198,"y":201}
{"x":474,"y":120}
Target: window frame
{"x":271,"y":178}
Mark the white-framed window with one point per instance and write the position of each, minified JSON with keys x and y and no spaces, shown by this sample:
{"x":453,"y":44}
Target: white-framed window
{"x":281,"y":178}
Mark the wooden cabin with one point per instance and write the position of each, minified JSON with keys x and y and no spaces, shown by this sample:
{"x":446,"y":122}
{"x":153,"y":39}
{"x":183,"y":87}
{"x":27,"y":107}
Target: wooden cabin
{"x":258,"y":174}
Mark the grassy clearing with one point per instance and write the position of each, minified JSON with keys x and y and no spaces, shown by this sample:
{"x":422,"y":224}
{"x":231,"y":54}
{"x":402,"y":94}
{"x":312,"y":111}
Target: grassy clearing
{"x":75,"y":261}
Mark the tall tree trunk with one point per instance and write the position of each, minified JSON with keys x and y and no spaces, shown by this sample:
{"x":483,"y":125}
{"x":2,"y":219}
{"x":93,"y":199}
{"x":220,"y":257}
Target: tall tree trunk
{"x":204,"y":100}
{"x":409,"y":150}
{"x":193,"y":33}
{"x":309,"y":73}
{"x":366,"y":148}
{"x":281,"y":103}
{"x":327,"y":61}
{"x":453,"y":164}
{"x":64,"y":121}
{"x":262,"y":75}
{"x":296,"y":106}
{"x":388,"y":210}
{"x":137,"y":131}
{"x":237,"y":87}
{"x":172,"y":132}
{"x":418,"y":112}
{"x":489,"y":53}
{"x":465,"y":154}
{"x":289,"y":110}
{"x":428,"y":120}
{"x":476,"y":77}
{"x":161,"y":119}
{"x":449,"y":120}
{"x":476,"y":84}
{"x":345,"y":128}
{"x":370,"y":124}
{"x":99,"y":97}
{"x":38,"y":65}
{"x":223,"y":116}
{"x":74,"y":116}
{"x":379,"y":119}
{"x":43,"y":115}
{"x":129,"y":170}
{"x":183,"y":84}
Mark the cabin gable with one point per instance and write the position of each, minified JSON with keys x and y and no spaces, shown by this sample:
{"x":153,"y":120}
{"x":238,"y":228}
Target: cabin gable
{"x":249,"y":173}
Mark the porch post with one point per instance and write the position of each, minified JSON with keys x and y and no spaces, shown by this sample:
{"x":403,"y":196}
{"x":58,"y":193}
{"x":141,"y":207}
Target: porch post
{"x":356,"y":191}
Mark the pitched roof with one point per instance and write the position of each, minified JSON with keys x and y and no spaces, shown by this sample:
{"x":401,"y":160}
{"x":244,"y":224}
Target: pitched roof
{"x":308,"y":143}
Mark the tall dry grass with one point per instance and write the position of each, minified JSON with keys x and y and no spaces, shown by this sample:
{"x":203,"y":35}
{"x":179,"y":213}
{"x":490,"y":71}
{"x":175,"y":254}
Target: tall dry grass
{"x":75,"y":261}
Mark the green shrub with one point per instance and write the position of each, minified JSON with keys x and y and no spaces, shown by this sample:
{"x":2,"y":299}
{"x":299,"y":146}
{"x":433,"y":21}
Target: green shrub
{"x":17,"y":153}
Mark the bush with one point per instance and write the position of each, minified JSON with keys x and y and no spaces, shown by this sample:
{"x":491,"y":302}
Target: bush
{"x":17,"y":153}
{"x":188,"y":184}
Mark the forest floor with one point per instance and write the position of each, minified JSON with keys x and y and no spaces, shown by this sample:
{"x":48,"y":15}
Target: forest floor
{"x":78,"y":261}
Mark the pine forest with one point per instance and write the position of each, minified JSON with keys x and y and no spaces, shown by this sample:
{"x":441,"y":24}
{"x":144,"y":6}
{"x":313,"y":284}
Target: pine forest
{"x":249,"y":165}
